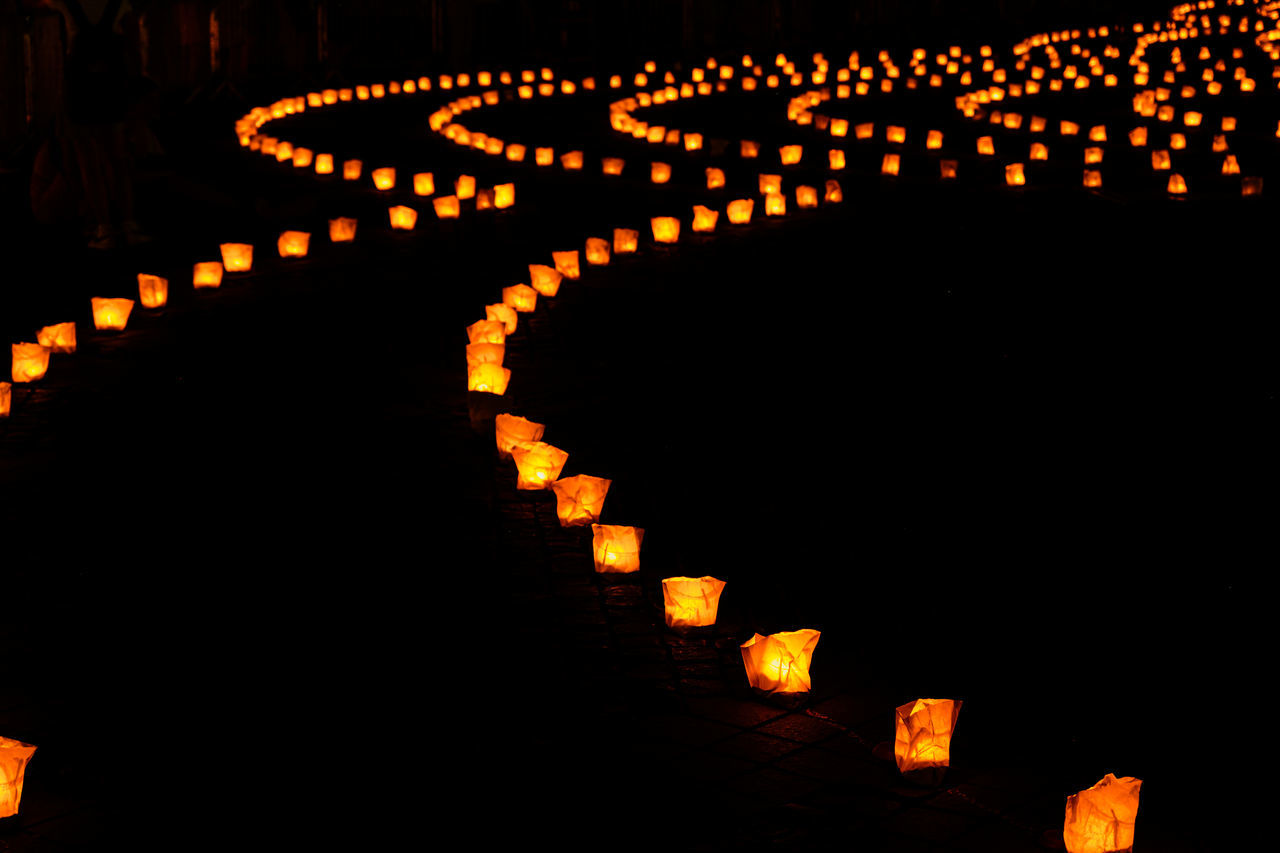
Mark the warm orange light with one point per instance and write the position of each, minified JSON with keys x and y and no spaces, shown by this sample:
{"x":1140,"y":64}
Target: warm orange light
{"x":544,"y":156}
{"x":1177,"y":141}
{"x":515,"y":152}
{"x":153,"y":291}
{"x":402,"y":218}
{"x":302,"y":157}
{"x":1098,"y":133}
{"x":14,"y":755}
{"x":923,"y":733}
{"x":29,"y":362}
{"x":488,"y":378}
{"x":806,"y":197}
{"x":1160,"y":160}
{"x":666,"y":229}
{"x":1068,"y":128}
{"x":779,"y":663}
{"x":893,"y":133}
{"x":1192,"y":118}
{"x":1014,"y":175}
{"x":59,"y":338}
{"x":342,"y":230}
{"x":1177,"y":186}
{"x":384,"y":179}
{"x":545,"y":279}
{"x":775,"y":204}
{"x":597,"y":251}
{"x":6,"y":399}
{"x":486,"y":353}
{"x":580,"y":499}
{"x":465,"y":186}
{"x":293,"y":244}
{"x":237,"y":257}
{"x":1138,"y":137}
{"x":864,"y":130}
{"x":324,"y":164}
{"x":790,"y":154}
{"x":111,"y":314}
{"x":521,"y":297}
{"x":567,"y":263}
{"x":1230,"y":166}
{"x":1093,"y":155}
{"x":659,"y":173}
{"x":487,"y":331}
{"x":933,"y":140}
{"x":947,"y":169}
{"x":424,"y":183}
{"x":504,"y":196}
{"x":889,"y":165}
{"x":833,"y":192}
{"x":615,"y":548}
{"x":715,"y":178}
{"x":538,"y":464}
{"x":446,"y":206}
{"x":511,"y":430}
{"x":1092,"y":178}
{"x":748,"y":149}
{"x":1250,"y":186}
{"x":625,"y":240}
{"x":769,"y":184}
{"x":351,"y":170}
{"x":377,"y":90}
{"x":739,"y":211}
{"x":503,"y":313}
{"x":691,"y":602}
{"x":704,"y":218}
{"x":207,"y":274}
{"x":986,"y":145}
{"x":1101,"y":819}
{"x":612,"y":165}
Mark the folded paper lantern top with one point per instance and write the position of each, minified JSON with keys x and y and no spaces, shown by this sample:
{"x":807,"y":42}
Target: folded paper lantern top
{"x":60,"y":337}
{"x":580,"y":499}
{"x":779,"y":663}
{"x":513,"y":429}
{"x":538,"y":464}
{"x":1101,"y":819}
{"x":545,"y":279}
{"x":924,"y":730}
{"x":691,"y":602}
{"x":567,"y":263}
{"x":14,"y":755}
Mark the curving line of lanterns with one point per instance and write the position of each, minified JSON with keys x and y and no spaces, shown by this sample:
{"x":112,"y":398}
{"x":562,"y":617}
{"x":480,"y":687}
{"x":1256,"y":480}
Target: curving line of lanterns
{"x":1100,"y":818}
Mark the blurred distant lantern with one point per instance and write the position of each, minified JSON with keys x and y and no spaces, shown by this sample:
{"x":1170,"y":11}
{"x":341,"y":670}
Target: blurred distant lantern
{"x":571,"y":160}
{"x":1219,"y":143}
{"x":384,"y":179}
{"x":402,"y":218}
{"x":779,"y":663}
{"x":691,"y":602}
{"x":656,"y":133}
{"x":1012,"y":121}
{"x":206,"y":274}
{"x":153,"y":291}
{"x":351,"y":170}
{"x":715,"y":178}
{"x":446,"y":206}
{"x":1138,"y":137}
{"x":393,"y":87}
{"x":806,"y":196}
{"x":1093,"y":155}
{"x":833,"y":192}
{"x":947,"y":169}
{"x":748,"y":149}
{"x":612,"y":165}
{"x":597,"y":251}
{"x":864,"y":131}
{"x":324,"y":164}
{"x":342,"y":230}
{"x":545,"y":279}
{"x":1192,"y":118}
{"x":237,"y":257}
{"x":1014,"y":175}
{"x":521,"y":297}
{"x":543,"y":156}
{"x":659,"y":173}
{"x":1101,"y":819}
{"x":567,"y":263}
{"x":538,"y":464}
{"x":666,"y":229}
{"x":1177,"y":141}
{"x":986,"y":145}
{"x":579,"y":499}
{"x":29,"y":362}
{"x":1098,"y":133}
{"x":770,"y":184}
{"x":505,"y":314}
{"x":284,"y":151}
{"x":1039,"y":151}
{"x":377,"y":90}
{"x":894,"y":133}
{"x":485,"y":352}
{"x":1177,"y":186}
{"x":1230,"y":166}
{"x":487,"y":331}
{"x":465,"y":186}
{"x":1251,"y":186}
{"x":889,"y":165}
{"x":362,"y":93}
{"x":510,"y":430}
{"x":790,"y":154}
{"x":484,"y":198}
{"x":504,"y":196}
{"x":488,"y":378}
{"x":1228,"y":123}
{"x":933,"y":140}
{"x":1160,"y":160}
{"x":1038,"y":124}
{"x":302,"y":157}
{"x":14,"y":755}
{"x":1092,"y":178}
{"x":1068,"y":128}
{"x":835,"y":159}
{"x":424,"y":183}
{"x":616,"y":548}
{"x":515,"y":152}
{"x":625,"y":240}
{"x":6,"y":395}
{"x":924,"y":729}
{"x":293,"y":244}
{"x":59,"y":338}
{"x":329,"y":96}
{"x":692,"y":141}
{"x":739,"y":211}
{"x":839,"y":127}
{"x":704,"y":218}
{"x":111,"y":314}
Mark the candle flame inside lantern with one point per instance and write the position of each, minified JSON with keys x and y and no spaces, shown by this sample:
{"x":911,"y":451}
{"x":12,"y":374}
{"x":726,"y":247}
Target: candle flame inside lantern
{"x":111,"y":313}
{"x":625,"y":241}
{"x":616,"y":548}
{"x":424,"y":183}
{"x":521,"y":297}
{"x":538,"y":464}
{"x":779,"y":663}
{"x":29,"y":362}
{"x":666,"y":229}
{"x":691,"y":602}
{"x":924,"y":728}
{"x":385,"y":178}
{"x":504,"y":195}
{"x":739,"y":210}
{"x":612,"y":165}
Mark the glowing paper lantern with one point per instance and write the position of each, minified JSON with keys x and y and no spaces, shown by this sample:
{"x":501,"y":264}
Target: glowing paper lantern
{"x":1230,"y":166}
{"x":487,"y":331}
{"x":625,"y":240}
{"x":488,"y":378}
{"x":691,"y":602}
{"x":779,"y":663}
{"x":1160,"y":160}
{"x":424,"y":183}
{"x":947,"y":169}
{"x":666,"y":229}
{"x":538,"y":464}
{"x":237,"y":257}
{"x":60,"y":337}
{"x":14,"y":755}
{"x":1177,"y":186}
{"x":511,"y":430}
{"x":342,"y":230}
{"x":659,"y":173}
{"x":293,"y":244}
{"x":806,"y":196}
{"x":351,"y":170}
{"x":934,"y":140}
{"x":567,"y":264}
{"x":446,"y":206}
{"x":739,"y":211}
{"x":615,"y":548}
{"x":1092,"y":178}
{"x":986,"y":145}
{"x":692,"y":141}
{"x":790,"y":154}
{"x":29,"y":362}
{"x":924,"y":729}
{"x":835,"y":159}
{"x":889,"y":165}
{"x":1138,"y":137}
{"x":833,"y":192}
{"x":543,"y":156}
{"x":580,"y":499}
{"x":153,"y":291}
{"x":520,"y":297}
{"x":465,"y":186}
{"x":384,"y":179}
{"x":324,"y":164}
{"x":704,"y":218}
{"x":503,"y":313}
{"x":402,"y":218}
{"x":571,"y":160}
{"x":748,"y":149}
{"x":6,"y":398}
{"x":504,"y":196}
{"x":597,"y":251}
{"x":545,"y":279}
{"x":111,"y":314}
{"x":770,"y":184}
{"x":1101,"y":819}
{"x":485,"y":352}
{"x":302,"y":157}
{"x":1250,"y":186}
{"x":612,"y":165}
{"x":207,"y":274}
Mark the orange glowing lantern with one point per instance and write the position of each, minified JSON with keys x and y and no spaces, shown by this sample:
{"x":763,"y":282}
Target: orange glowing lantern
{"x":505,"y":314}
{"x":779,"y":663}
{"x":1177,"y":141}
{"x":739,"y":211}
{"x":59,"y":338}
{"x":889,"y":165}
{"x":504,"y":196}
{"x":1192,"y":118}
{"x":933,"y":140}
{"x":748,"y":149}
{"x":715,"y":178}
{"x":485,"y":352}
{"x":894,"y":133}
{"x":14,"y":755}
{"x":1014,"y":175}
{"x":1098,"y":133}
{"x":543,"y":156}
{"x":864,"y":131}
{"x":515,"y":152}
{"x":659,"y":173}
{"x":446,"y":206}
{"x":1039,"y":151}
{"x":691,"y":602}
{"x":835,"y":159}
{"x":545,"y":279}
{"x":1250,"y":186}
{"x":625,"y":240}
{"x":666,"y":229}
{"x":923,"y":738}
{"x":1230,"y":166}
{"x":153,"y":291}
{"x":302,"y":157}
{"x":790,"y":154}
{"x":947,"y":169}
{"x":770,"y":184}
{"x":351,"y":170}
{"x":692,"y":141}
{"x":615,"y":548}
{"x":775,"y":204}
{"x":612,"y":165}
{"x":111,"y":314}
{"x":986,"y":145}
{"x":833,"y":192}
{"x":521,"y":297}
{"x":1092,"y":178}
{"x":1101,"y":819}
{"x":597,"y":251}
{"x":1138,"y":137}
{"x":512,"y":430}
{"x":342,"y":230}
{"x":487,"y":332}
{"x":580,"y":499}
{"x":6,"y":398}
{"x":1160,"y":160}
{"x":1093,"y":155}
{"x":424,"y":183}
{"x":1177,"y":186}
{"x":465,"y":186}
{"x":488,"y":378}
{"x":1068,"y":128}
{"x":538,"y":464}
{"x":567,"y":263}
{"x":384,"y":179}
{"x":207,"y":274}
{"x":402,"y":218}
{"x":704,"y":218}
{"x":237,"y":257}
{"x":806,"y":197}
{"x":293,"y":244}
{"x":324,"y":164}
{"x":571,"y":160}
{"x":29,"y":362}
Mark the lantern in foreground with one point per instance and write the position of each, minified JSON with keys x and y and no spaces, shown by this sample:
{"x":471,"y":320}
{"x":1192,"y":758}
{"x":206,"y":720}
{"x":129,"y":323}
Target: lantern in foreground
{"x":666,"y":229}
{"x":293,"y":244}
{"x":60,"y":337}
{"x":6,"y":391}
{"x":111,"y":314}
{"x":520,"y":297}
{"x":704,"y":218}
{"x":538,"y":464}
{"x":488,"y":378}
{"x":30,"y":362}
{"x":691,"y":602}
{"x":511,"y":430}
{"x":237,"y":257}
{"x":14,"y":755}
{"x":402,"y":218}
{"x":923,"y":738}
{"x":207,"y":274}
{"x":579,"y":499}
{"x":342,"y":230}
{"x":625,"y":240}
{"x":384,"y":179}
{"x":1101,"y":819}
{"x":615,"y":548}
{"x":597,"y":251}
{"x":779,"y":663}
{"x":545,"y":279}
{"x":567,"y":263}
{"x":153,"y":291}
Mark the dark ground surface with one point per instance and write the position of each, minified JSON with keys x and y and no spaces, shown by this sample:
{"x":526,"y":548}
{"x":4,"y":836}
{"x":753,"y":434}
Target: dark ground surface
{"x":266,"y":581}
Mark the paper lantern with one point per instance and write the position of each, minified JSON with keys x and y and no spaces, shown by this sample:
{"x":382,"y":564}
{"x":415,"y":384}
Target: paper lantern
{"x":1039,"y":151}
{"x":207,"y":274}
{"x":790,"y":154}
{"x":597,"y":251}
{"x":1014,"y":175}
{"x":656,"y":133}
{"x":520,"y":297}
{"x":615,"y":548}
{"x":779,"y":663}
{"x":1098,"y":133}
{"x":488,"y":378}
{"x":504,"y":196}
{"x":1160,"y":160}
{"x":579,"y":499}
{"x":1177,"y":186}
{"x":515,"y":152}
{"x":947,"y":169}
{"x":237,"y":257}
{"x":153,"y":291}
{"x":1230,"y":166}
{"x":302,"y":157}
{"x":1177,"y":141}
{"x":351,"y":170}
{"x":378,"y":90}
{"x":571,"y":160}
{"x":986,"y":145}
{"x":894,"y":133}
{"x":384,"y":179}
{"x":835,"y":159}
{"x":625,"y":240}
{"x":1138,"y":137}
{"x":487,"y":331}
{"x":511,"y":430}
{"x":612,"y":165}
{"x":864,"y":131}
{"x":770,"y":184}
{"x":704,"y":218}
{"x":59,"y":338}
{"x":505,"y":314}
{"x":659,"y":173}
{"x":1250,"y":186}
{"x":839,"y":127}
{"x":324,"y":164}
{"x":567,"y":263}
{"x":739,"y":211}
{"x":446,"y":206}
{"x":1192,"y":118}
{"x":889,"y":165}
{"x":465,"y":186}
{"x":402,"y":218}
{"x":1101,"y":819}
{"x":934,"y":140}
{"x":1092,"y":155}
{"x":424,"y":183}
{"x":748,"y":149}
{"x":543,"y":156}
{"x":1092,"y":178}
{"x":924,"y":729}
{"x":362,"y":93}
{"x":484,"y":199}
{"x":6,"y":397}
{"x":342,"y":230}
{"x":29,"y":362}
{"x":1068,"y":128}
{"x":666,"y":229}
{"x":283,"y":151}
{"x":14,"y":755}
{"x":833,"y":192}
{"x":692,"y":141}
{"x":691,"y":602}
{"x":111,"y":314}
{"x":545,"y":279}
{"x":485,"y":352}
{"x":538,"y":464}
{"x":293,"y":244}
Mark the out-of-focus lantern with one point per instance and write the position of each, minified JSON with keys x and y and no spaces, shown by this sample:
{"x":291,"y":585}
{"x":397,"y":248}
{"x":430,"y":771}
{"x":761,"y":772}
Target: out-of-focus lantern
{"x":839,"y":127}
{"x":14,"y":755}
{"x":1160,"y":160}
{"x":111,"y":314}
{"x":748,"y":149}
{"x":739,"y":211}
{"x":59,"y":338}
{"x":446,"y":206}
{"x":504,"y":195}
{"x":487,"y":331}
{"x":378,"y":90}
{"x":806,"y":196}
{"x":790,"y":154}
{"x":924,"y":729}
{"x":1230,"y":166}
{"x":691,"y":602}
{"x":715,"y":178}
{"x":625,"y":240}
{"x":485,"y":352}
{"x":1138,"y":137}
{"x":543,"y":156}
{"x":597,"y":251}
{"x":933,"y":140}
{"x":465,"y":186}
{"x":615,"y":548}
{"x":342,"y":230}
{"x":538,"y":464}
{"x":1039,"y":151}
{"x":488,"y":378}
{"x":302,"y":157}
{"x":1219,"y":143}
{"x":424,"y":183}
{"x":402,"y":218}
{"x":864,"y":131}
{"x":515,"y":152}
{"x":775,"y":204}
{"x":571,"y":160}
{"x":1250,"y":186}
{"x":384,"y":179}
{"x":545,"y":279}
{"x":1092,"y":178}
{"x":579,"y":499}
{"x":889,"y":165}
{"x":770,"y":184}
{"x":351,"y":170}
{"x":1192,"y":118}
{"x":1177,"y":186}
{"x":511,"y":430}
{"x":293,"y":244}
{"x":666,"y":229}
{"x":1068,"y":128}
{"x":835,"y":159}
{"x":362,"y":93}
{"x":29,"y":362}
{"x":6,"y":397}
{"x":947,"y":169}
{"x":1098,"y":133}
{"x":612,"y":165}
{"x":1014,"y":175}
{"x":986,"y":145}
{"x":779,"y":663}
{"x":659,"y":173}
{"x":324,"y":164}
{"x":206,"y":274}
{"x":1101,"y":819}
{"x":833,"y":192}
{"x":896,"y":134}
{"x":237,"y":257}
{"x":704,"y":218}
{"x":505,"y":314}
{"x":567,"y":263}
{"x":521,"y":297}
{"x":1093,"y":155}
{"x":153,"y":291}
{"x":1177,"y":141}
{"x":692,"y":141}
